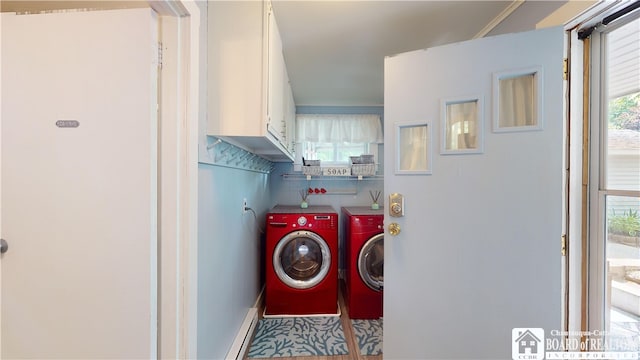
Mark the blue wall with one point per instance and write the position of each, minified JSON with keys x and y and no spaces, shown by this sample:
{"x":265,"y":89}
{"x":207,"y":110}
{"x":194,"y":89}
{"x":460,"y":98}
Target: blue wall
{"x":229,"y":241}
{"x":229,"y":247}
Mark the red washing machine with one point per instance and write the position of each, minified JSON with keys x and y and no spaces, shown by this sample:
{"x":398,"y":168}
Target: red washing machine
{"x":364,"y":243}
{"x":302,"y":261}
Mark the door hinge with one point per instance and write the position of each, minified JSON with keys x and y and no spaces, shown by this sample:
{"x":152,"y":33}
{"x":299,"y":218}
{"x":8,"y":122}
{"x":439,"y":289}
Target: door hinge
{"x":565,"y":69}
{"x":160,"y":55}
{"x":563,"y":245}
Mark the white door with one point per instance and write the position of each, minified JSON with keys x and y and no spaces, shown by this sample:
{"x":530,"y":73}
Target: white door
{"x":79,"y":153}
{"x":478,"y":252}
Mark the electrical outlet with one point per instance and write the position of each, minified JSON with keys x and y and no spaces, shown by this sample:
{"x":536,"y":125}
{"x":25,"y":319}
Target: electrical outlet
{"x":244,"y":205}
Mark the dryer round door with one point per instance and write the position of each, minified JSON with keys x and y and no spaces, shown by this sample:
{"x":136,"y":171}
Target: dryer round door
{"x":371,"y":262}
{"x":302,"y":259}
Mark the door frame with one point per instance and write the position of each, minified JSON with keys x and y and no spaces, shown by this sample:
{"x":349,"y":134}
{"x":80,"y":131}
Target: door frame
{"x":177,"y":310}
{"x":178,"y":292}
{"x":1,"y":195}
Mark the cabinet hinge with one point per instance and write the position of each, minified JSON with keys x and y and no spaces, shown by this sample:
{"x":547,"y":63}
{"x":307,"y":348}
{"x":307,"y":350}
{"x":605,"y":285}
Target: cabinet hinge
{"x":565,"y":69}
{"x":563,"y":245}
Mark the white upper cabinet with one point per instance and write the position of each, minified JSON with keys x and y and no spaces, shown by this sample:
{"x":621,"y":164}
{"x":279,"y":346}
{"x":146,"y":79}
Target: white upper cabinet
{"x":250,"y":99}
{"x":276,"y":81}
{"x":289,"y":114}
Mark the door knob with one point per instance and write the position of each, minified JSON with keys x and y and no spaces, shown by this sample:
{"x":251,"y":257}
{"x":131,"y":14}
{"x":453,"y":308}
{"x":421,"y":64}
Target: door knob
{"x":394,"y":229}
{"x":4,"y":246}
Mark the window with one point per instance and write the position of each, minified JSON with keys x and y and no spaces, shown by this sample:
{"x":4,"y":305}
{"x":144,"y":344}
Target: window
{"x":619,"y":176}
{"x":614,"y":168}
{"x":333,"y":153}
{"x":516,"y":104}
{"x":333,"y":138}
{"x":462,"y":125}
{"x":413,"y":141}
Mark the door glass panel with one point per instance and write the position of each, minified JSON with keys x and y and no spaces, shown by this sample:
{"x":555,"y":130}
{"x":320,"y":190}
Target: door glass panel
{"x":461,"y":126}
{"x":622,"y":171}
{"x":621,"y":189}
{"x":517,"y":103}
{"x":301,"y":258}
{"x":413,"y":149}
{"x":623,"y":267}
{"x":623,"y":120}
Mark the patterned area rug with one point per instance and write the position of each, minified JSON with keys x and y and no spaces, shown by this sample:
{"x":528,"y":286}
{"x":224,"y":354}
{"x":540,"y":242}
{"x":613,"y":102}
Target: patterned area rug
{"x":298,"y":336}
{"x":368,"y":335}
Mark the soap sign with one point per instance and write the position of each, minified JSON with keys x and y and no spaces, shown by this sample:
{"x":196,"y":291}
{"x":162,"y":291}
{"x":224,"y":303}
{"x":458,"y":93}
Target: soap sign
{"x":336,"y":171}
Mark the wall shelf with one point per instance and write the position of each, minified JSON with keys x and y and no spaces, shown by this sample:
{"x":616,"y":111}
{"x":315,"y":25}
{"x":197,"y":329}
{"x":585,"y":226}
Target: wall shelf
{"x":353,"y":191}
{"x":303,"y":177}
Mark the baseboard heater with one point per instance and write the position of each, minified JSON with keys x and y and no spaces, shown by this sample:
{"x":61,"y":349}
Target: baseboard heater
{"x":243,"y":339}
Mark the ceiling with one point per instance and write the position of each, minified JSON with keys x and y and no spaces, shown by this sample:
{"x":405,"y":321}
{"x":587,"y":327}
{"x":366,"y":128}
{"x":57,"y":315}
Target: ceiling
{"x":27,"y":6}
{"x":335,"y":49}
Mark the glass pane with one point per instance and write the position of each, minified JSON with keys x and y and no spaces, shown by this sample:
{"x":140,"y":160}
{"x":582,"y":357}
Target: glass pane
{"x":623,"y":269}
{"x":517,"y":99}
{"x":301,"y":259}
{"x":374,"y":261}
{"x":623,"y":142}
{"x":461,"y":125}
{"x":345,"y":150}
{"x":621,"y":166}
{"x":318,"y":151}
{"x":332,"y":153}
{"x":623,"y":110}
{"x":412,"y":148}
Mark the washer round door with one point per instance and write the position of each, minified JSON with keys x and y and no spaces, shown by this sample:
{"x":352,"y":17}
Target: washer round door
{"x":302,"y":259}
{"x":371,"y":262}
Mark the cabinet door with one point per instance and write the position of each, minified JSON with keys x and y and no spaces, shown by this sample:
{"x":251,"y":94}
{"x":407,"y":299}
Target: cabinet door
{"x":289,"y":114}
{"x":275,"y":87}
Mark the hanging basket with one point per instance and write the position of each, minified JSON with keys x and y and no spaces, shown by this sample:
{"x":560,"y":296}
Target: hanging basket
{"x":363,"y":169}
{"x":312,"y":170}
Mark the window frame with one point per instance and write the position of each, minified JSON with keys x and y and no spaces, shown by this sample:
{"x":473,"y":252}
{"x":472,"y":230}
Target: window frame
{"x":598,"y":189}
{"x":369,"y":148}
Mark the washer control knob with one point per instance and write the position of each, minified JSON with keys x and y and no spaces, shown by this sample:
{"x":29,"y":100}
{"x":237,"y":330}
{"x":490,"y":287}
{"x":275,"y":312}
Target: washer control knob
{"x":302,"y":221}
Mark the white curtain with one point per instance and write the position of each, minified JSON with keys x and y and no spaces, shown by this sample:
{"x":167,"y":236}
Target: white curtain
{"x":517,"y":101}
{"x":462,"y":125}
{"x":329,"y":128}
{"x":412,"y":143}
